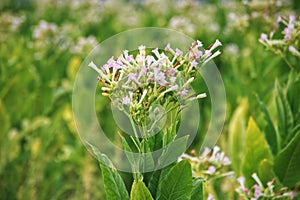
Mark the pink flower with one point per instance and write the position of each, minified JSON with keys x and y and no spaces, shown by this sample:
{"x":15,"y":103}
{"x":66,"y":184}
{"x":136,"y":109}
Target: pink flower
{"x":216,"y":44}
{"x":149,"y":60}
{"x":143,"y":70}
{"x":171,"y":72}
{"x":155,"y":51}
{"x":105,"y":67}
{"x":199,"y":43}
{"x":142,"y":48}
{"x":126,"y":100}
{"x":241,"y":181}
{"x":178,"y":52}
{"x":279,"y":19}
{"x":194,"y":64}
{"x":226,"y":161}
{"x":131,"y":76}
{"x":199,"y":54}
{"x":129,"y":58}
{"x":184,"y":92}
{"x":161,"y":79}
{"x":257,"y":191}
{"x":287,"y":34}
{"x":168,"y":47}
{"x":211,"y":170}
{"x":263,"y":37}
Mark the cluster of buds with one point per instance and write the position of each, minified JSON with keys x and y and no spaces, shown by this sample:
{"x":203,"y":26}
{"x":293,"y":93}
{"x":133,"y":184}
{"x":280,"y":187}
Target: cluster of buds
{"x":289,"y":41}
{"x":210,"y":163}
{"x":259,"y":191}
{"x":137,"y":81}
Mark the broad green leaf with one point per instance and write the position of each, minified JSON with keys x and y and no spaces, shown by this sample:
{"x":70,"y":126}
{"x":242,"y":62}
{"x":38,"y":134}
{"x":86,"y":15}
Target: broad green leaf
{"x":156,"y":177}
{"x":257,"y":150}
{"x":172,"y":151}
{"x":139,"y":191}
{"x":285,"y":116}
{"x":265,"y":171}
{"x":237,"y":134}
{"x":177,"y":184}
{"x":269,"y":129}
{"x":293,"y":98}
{"x":287,"y":163}
{"x":113,"y":183}
{"x":130,"y":155}
{"x":197,"y":192}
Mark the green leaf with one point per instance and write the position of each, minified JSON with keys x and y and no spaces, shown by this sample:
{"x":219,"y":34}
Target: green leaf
{"x":287,"y":163}
{"x":197,"y":192}
{"x":237,"y":134}
{"x":269,"y":129}
{"x":293,"y":98}
{"x":113,"y":183}
{"x":146,"y":159}
{"x":130,"y":155}
{"x":172,"y":151}
{"x":265,"y":172}
{"x":257,"y":150}
{"x":139,"y":191}
{"x":156,"y":177}
{"x":169,"y":135}
{"x":177,"y":184}
{"x":285,"y":115}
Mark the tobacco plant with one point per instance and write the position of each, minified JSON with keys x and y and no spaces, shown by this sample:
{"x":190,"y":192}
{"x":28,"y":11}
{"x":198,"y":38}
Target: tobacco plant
{"x":152,"y":88}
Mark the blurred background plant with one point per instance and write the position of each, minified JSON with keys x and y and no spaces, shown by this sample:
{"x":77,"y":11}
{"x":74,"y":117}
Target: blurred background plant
{"x":44,"y":42}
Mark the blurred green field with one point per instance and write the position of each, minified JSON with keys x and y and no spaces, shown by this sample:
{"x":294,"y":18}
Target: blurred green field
{"x":43,"y":44}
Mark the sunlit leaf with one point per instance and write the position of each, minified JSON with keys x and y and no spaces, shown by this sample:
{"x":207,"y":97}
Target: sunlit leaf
{"x":257,"y":150}
{"x":139,"y":191}
{"x":177,"y":184}
{"x":237,"y":134}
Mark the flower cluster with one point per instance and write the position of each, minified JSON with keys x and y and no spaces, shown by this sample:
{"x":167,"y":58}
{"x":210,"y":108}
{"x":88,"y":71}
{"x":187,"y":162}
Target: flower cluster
{"x":258,"y":190}
{"x":84,"y":44}
{"x":210,"y":163}
{"x":44,"y":29}
{"x":153,"y":76}
{"x":51,"y":34}
{"x":10,"y":23}
{"x":289,"y":42}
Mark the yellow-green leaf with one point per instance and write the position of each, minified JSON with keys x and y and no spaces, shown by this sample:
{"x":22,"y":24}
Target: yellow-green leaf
{"x":139,"y":191}
{"x":257,"y":150}
{"x":237,"y":134}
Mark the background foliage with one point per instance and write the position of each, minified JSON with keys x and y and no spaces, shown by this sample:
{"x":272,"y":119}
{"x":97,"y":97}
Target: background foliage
{"x":44,"y":42}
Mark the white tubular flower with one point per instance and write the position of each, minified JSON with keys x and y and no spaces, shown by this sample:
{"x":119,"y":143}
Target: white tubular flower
{"x":215,"y":45}
{"x":168,"y":48}
{"x":255,"y":177}
{"x":93,"y":66}
{"x":294,"y":51}
{"x":156,"y":53}
{"x":142,"y":50}
{"x":200,"y":96}
{"x":174,"y":87}
{"x":143,"y":96}
{"x":188,"y":82}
